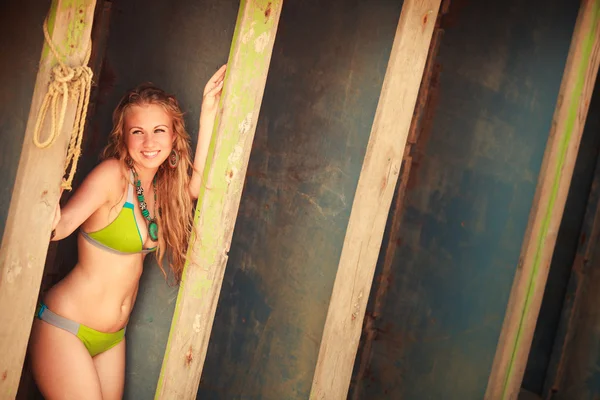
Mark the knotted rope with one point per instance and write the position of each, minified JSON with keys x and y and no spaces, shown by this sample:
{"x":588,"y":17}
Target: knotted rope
{"x":65,"y":82}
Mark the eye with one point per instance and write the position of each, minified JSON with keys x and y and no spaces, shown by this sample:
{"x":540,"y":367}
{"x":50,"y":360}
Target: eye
{"x":159,"y":130}
{"x":136,"y":132}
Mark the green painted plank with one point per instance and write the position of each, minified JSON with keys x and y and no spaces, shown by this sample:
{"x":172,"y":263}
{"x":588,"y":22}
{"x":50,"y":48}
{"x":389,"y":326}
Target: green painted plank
{"x":566,"y":139}
{"x":555,"y":178}
{"x":219,"y":198}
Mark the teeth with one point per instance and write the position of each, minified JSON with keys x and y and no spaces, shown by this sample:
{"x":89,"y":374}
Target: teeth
{"x":150,"y":153}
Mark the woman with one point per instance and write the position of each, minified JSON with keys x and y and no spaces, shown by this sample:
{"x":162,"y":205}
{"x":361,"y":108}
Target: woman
{"x":137,"y":201}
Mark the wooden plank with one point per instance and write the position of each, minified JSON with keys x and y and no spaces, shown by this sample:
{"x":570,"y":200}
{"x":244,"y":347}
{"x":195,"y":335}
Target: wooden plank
{"x":35,"y":195}
{"x":568,"y":343}
{"x":384,"y":278}
{"x":372,"y":201}
{"x":548,"y":205}
{"x":219,"y":198}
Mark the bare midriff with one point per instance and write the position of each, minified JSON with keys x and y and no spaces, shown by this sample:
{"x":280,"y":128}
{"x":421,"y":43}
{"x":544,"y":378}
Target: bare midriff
{"x":101,"y":289}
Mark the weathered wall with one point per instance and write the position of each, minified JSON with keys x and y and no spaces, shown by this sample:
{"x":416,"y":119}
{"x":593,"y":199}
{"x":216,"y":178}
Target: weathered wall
{"x":469,"y":193}
{"x":472,"y":181}
{"x":326,"y":73}
{"x":21,"y":41}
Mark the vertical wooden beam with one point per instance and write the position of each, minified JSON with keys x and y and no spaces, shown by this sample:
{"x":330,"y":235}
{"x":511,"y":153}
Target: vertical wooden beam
{"x":219,"y":199}
{"x":35,"y":195}
{"x":372,"y":201}
{"x":568,"y":343}
{"x":99,"y":36}
{"x":548,"y":205}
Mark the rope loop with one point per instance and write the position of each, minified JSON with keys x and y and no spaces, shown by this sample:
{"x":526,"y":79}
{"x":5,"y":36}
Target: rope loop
{"x":66,"y":83}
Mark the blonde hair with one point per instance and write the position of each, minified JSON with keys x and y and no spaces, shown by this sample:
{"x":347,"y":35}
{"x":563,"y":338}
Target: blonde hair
{"x":174,"y":202}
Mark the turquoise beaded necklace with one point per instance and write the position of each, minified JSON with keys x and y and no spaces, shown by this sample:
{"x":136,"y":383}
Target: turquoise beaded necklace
{"x":152,"y":225}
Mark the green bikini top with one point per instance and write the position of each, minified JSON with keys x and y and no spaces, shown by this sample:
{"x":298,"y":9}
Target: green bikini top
{"x":122,"y":236}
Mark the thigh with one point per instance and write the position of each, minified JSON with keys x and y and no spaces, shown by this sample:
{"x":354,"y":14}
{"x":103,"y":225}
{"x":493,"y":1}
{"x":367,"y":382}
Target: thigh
{"x":110,"y":366}
{"x":61,"y":365}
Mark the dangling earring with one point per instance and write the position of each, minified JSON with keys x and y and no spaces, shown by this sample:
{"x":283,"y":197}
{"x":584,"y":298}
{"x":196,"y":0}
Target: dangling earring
{"x":173,"y":159}
{"x":128,"y":161}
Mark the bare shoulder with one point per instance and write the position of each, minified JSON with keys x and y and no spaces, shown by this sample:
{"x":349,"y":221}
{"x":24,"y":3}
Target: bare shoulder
{"x":109,"y":169}
{"x":109,"y":177}
{"x":102,"y":188}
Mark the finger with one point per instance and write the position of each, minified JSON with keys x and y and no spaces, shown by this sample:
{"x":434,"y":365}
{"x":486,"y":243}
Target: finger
{"x":218,"y":87}
{"x":220,"y":74}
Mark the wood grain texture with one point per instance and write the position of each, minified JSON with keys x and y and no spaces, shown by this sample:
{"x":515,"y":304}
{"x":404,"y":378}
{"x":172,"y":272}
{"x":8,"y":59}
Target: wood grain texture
{"x":548,"y":205}
{"x":371,"y":205}
{"x":35,"y":195}
{"x":219,"y":198}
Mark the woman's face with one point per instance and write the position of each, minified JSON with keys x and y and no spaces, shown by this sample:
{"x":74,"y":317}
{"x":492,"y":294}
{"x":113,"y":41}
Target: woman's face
{"x":149,"y":136}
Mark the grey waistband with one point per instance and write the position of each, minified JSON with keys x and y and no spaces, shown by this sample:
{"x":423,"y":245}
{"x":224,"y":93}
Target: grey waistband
{"x":45,"y":314}
{"x":60,"y":322}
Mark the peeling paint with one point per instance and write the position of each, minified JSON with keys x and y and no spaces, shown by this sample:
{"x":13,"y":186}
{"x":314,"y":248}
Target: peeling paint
{"x":197,"y":323}
{"x":261,"y":42}
{"x":201,"y":286}
{"x":248,"y":35}
{"x":13,"y":271}
{"x":357,"y":306}
{"x":75,"y":29}
{"x":236,"y":155}
{"x":246,"y":124}
{"x":242,"y":94}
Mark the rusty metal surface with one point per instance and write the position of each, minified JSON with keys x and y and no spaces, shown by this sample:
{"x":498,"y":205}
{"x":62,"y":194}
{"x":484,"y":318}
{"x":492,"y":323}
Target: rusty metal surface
{"x":468,"y":197}
{"x":326,"y":73}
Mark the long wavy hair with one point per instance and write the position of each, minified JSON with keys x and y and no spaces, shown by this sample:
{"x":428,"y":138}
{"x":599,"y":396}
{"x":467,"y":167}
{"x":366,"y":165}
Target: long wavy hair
{"x":174,"y":202}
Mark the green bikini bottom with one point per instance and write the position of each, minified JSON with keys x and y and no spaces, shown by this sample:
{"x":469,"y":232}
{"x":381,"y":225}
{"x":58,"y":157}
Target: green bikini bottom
{"x":94,"y":341}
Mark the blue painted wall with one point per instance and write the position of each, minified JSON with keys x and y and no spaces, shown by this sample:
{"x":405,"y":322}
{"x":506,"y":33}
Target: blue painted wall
{"x":326,"y":73}
{"x":470,"y":190}
{"x":21,"y":41}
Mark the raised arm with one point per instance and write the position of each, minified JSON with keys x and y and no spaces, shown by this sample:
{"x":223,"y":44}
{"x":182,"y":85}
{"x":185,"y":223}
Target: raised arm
{"x":210,"y":102}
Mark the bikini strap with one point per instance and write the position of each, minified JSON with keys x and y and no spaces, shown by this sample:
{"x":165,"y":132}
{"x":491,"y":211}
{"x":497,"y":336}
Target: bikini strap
{"x":130,"y":188}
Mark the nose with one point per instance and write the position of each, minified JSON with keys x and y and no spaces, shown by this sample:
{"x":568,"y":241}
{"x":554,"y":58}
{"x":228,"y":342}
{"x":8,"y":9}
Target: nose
{"x":148,"y":140}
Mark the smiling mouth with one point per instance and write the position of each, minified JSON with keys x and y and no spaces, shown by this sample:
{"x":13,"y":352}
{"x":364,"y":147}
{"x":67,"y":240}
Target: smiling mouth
{"x":150,"y":154}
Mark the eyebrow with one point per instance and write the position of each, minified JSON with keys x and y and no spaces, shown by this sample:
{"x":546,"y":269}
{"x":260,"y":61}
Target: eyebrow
{"x":141,"y":129}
